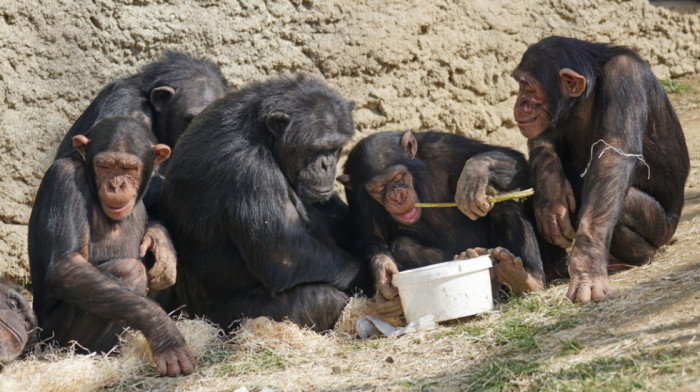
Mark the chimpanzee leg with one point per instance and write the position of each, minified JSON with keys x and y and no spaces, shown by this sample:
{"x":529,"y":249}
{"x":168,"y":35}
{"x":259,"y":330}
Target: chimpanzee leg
{"x":643,"y":227}
{"x":317,"y":306}
{"x":518,"y":262}
{"x":71,"y":323}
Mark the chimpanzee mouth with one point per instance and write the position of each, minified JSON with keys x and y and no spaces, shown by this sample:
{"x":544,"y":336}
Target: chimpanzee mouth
{"x":527,"y":122}
{"x":118,"y":209}
{"x":6,"y":326}
{"x":408,"y":218}
{"x":315,"y":194}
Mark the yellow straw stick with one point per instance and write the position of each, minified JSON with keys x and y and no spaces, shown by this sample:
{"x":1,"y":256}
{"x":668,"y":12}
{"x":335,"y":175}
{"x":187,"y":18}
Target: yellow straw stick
{"x":493,"y":199}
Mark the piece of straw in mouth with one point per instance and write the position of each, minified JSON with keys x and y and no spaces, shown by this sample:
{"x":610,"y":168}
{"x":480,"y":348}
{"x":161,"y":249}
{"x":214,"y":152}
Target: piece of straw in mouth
{"x":493,"y":199}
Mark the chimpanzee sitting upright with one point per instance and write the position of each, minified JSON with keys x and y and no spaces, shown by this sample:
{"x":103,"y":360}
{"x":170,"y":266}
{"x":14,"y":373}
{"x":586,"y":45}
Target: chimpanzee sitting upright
{"x":249,"y":201}
{"x":88,"y":232}
{"x":387,"y":173}
{"x":17,"y":322}
{"x":165,"y":95}
{"x":605,"y":145}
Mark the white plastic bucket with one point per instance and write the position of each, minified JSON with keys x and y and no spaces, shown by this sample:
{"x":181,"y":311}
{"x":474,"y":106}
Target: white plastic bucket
{"x":448,"y":290}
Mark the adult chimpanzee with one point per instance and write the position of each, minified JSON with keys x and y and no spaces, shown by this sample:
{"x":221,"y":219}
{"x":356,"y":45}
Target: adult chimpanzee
{"x":387,"y":173}
{"x":249,"y":201}
{"x":88,"y":233}
{"x":605,"y":145}
{"x":165,"y":95}
{"x":17,"y":322}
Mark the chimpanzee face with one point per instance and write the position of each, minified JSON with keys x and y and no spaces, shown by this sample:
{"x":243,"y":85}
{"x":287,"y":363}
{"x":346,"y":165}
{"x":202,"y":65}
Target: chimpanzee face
{"x":532,"y":107}
{"x":317,"y":176}
{"x":118,"y":178}
{"x":393,"y":189}
{"x":17,"y":322}
{"x":119,"y":158}
{"x":309,"y":138}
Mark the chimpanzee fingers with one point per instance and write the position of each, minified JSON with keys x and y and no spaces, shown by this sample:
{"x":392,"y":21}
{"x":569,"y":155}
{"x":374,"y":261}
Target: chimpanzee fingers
{"x":161,"y":276}
{"x":387,"y":290}
{"x":161,"y":365}
{"x":571,"y":292}
{"x":472,"y":253}
{"x":146,"y":244}
{"x":186,"y":361}
{"x":570,"y":199}
{"x":173,"y":366}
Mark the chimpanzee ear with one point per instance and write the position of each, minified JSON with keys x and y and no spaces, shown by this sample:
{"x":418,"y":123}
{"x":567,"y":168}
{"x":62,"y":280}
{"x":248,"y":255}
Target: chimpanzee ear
{"x":345,"y":180}
{"x":80,"y":142}
{"x":162,"y":152}
{"x":277,"y":122}
{"x":409,"y":143}
{"x":573,"y":84}
{"x":160,"y":96}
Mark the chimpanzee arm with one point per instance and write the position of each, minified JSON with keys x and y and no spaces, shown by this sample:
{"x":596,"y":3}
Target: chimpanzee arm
{"x":554,"y":197}
{"x":608,"y":178}
{"x":60,"y":226}
{"x":272,"y":230}
{"x":501,"y":169}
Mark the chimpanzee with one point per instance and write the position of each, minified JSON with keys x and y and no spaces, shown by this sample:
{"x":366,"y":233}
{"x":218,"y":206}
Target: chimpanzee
{"x":165,"y":95}
{"x":88,"y":234}
{"x":605,"y":146}
{"x":249,"y":201}
{"x":387,"y":173}
{"x":17,"y":322}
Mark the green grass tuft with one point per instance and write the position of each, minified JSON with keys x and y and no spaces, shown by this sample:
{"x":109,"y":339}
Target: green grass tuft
{"x":674,"y":86}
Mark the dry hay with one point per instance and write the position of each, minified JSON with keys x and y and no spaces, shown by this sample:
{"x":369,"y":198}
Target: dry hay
{"x":656,"y":307}
{"x":62,"y":369}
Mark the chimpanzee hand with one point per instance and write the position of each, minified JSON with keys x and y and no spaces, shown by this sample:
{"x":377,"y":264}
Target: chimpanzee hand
{"x":164,"y":271}
{"x":170,"y":352}
{"x":387,"y":297}
{"x":589,"y":276}
{"x":553,"y":200}
{"x":471,"y":195}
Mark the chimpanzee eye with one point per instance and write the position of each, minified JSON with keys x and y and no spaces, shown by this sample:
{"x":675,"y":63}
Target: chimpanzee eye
{"x":379,"y":189}
{"x":397,"y":178}
{"x":13,"y":303}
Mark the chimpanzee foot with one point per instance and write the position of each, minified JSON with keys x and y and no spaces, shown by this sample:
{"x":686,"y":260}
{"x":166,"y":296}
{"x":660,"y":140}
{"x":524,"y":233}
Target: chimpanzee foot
{"x":510,"y":272}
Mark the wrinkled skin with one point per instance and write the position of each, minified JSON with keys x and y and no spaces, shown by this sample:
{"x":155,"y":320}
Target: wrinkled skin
{"x":17,"y":322}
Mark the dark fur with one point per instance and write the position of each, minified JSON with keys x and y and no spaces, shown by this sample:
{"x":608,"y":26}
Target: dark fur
{"x":196,"y":81}
{"x":441,"y":232}
{"x":87,"y":276}
{"x":253,"y":238}
{"x":131,"y":96}
{"x":632,"y":215}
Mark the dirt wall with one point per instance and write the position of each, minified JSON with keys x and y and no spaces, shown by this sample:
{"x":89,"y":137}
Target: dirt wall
{"x":407,"y":64}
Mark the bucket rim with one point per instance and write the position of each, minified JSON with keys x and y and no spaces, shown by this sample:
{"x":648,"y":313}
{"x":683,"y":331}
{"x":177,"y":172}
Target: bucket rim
{"x":442,"y":270}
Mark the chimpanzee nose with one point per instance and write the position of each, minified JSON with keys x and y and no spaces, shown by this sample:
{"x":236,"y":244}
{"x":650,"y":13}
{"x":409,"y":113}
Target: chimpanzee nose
{"x":117,"y":183}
